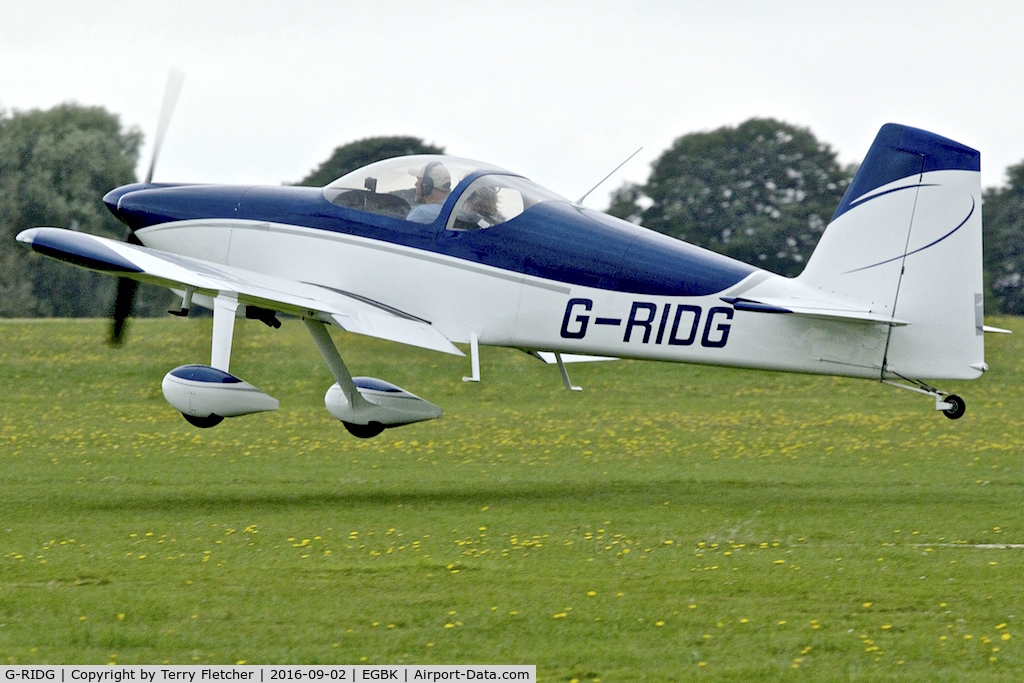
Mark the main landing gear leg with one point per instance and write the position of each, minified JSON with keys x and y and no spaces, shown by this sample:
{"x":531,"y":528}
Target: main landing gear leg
{"x":569,"y":386}
{"x":224,"y":307}
{"x":474,"y":357}
{"x":951,"y":405}
{"x":344,"y":379}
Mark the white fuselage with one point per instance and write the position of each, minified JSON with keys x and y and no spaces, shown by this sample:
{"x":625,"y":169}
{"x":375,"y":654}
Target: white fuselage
{"x":503,"y":308}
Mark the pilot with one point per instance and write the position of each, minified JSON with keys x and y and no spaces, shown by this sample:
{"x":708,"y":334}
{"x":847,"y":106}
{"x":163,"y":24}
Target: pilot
{"x":433,"y":184}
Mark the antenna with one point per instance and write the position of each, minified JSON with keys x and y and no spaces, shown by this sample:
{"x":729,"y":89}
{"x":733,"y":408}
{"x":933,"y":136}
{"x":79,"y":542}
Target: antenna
{"x":585,"y":194}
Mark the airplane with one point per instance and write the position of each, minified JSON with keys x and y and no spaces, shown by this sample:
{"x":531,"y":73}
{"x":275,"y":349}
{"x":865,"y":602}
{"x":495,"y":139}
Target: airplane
{"x":434,"y":251}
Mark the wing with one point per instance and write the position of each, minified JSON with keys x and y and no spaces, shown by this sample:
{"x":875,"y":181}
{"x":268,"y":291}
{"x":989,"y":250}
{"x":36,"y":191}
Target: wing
{"x":348,"y":310}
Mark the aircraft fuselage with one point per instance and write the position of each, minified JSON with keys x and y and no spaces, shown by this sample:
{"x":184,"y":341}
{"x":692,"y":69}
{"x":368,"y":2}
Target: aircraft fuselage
{"x":557,"y":277}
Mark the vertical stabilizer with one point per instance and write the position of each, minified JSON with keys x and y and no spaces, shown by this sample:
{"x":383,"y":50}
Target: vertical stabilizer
{"x":905,"y":242}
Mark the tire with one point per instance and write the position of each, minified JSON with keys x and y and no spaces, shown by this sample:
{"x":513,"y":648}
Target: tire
{"x":203,"y":422}
{"x":367,"y":431}
{"x":958,"y":409}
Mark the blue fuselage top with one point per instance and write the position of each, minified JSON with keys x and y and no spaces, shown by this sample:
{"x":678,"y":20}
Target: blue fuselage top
{"x":555,"y":239}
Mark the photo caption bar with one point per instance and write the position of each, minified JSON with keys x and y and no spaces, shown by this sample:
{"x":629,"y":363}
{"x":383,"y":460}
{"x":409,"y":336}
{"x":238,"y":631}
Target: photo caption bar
{"x":402,"y":673}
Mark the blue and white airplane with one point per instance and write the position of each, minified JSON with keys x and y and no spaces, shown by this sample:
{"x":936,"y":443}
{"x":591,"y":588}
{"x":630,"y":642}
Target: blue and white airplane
{"x":434,"y":251}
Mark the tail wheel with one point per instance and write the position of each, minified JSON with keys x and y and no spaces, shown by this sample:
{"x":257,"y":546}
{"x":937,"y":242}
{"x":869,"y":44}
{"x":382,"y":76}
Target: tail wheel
{"x":957,"y":407}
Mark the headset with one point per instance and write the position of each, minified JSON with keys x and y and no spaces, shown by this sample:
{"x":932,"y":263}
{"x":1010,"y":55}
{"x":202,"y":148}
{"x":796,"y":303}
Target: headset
{"x":426,"y":182}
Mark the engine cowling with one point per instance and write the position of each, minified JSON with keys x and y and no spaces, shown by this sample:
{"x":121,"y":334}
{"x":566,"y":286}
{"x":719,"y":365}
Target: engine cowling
{"x":205,"y":395}
{"x":386,"y":405}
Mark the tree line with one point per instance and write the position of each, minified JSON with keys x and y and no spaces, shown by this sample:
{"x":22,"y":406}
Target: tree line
{"x":762,"y":192}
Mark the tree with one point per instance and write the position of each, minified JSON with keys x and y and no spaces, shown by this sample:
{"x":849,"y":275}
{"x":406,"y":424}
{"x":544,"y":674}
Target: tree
{"x":1004,"y":242}
{"x":55,"y":167}
{"x":761,"y":192}
{"x":357,"y":154}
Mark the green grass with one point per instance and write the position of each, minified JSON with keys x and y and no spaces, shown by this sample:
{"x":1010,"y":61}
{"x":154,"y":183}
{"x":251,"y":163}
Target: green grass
{"x":667,"y":523}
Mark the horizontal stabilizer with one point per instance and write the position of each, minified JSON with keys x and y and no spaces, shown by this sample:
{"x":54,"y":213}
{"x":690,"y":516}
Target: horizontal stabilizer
{"x":549,"y":357}
{"x":812,"y":309}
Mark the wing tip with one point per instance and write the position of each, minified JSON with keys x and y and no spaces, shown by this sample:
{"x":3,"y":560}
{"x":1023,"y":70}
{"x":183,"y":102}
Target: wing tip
{"x":77,"y":248}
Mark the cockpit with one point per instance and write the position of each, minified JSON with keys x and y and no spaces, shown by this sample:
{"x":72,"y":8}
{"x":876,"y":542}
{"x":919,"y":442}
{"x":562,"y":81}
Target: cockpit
{"x":421,"y":188}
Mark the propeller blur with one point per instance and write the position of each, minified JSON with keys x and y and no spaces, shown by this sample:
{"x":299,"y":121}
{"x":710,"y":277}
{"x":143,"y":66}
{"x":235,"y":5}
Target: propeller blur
{"x":127,"y":288}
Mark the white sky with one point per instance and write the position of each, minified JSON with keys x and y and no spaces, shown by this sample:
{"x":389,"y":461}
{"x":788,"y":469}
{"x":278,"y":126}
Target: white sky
{"x":560,"y":91}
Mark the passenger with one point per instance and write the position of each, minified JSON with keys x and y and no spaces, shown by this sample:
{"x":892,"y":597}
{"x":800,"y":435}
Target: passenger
{"x":433,"y":184}
{"x":480,"y":209}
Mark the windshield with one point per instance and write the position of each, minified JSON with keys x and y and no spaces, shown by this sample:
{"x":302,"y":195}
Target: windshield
{"x":411,"y":188}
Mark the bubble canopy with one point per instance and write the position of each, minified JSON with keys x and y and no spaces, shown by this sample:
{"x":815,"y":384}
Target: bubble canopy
{"x":402,"y":186}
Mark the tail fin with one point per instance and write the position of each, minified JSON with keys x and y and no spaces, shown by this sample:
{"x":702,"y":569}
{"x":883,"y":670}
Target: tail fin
{"x":906,"y":242}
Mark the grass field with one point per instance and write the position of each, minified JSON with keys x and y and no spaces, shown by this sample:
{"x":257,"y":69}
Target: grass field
{"x":667,"y":523}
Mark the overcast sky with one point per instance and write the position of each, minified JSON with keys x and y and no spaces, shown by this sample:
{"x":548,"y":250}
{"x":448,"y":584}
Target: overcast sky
{"x":560,"y":91}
